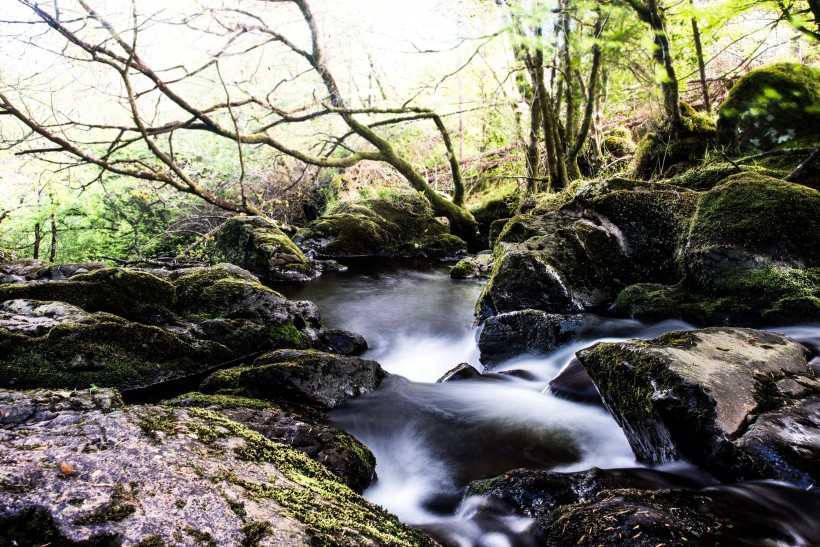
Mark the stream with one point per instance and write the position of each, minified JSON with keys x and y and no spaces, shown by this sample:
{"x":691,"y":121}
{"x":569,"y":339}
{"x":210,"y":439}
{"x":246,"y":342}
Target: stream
{"x":431,"y":439}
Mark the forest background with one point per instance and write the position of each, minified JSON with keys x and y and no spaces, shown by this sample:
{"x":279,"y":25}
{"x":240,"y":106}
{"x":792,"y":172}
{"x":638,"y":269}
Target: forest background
{"x":132,"y":130}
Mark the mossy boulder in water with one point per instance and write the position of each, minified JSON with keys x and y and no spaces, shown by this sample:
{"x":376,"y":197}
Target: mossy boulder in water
{"x":678,"y":147}
{"x":771,"y":106}
{"x":742,"y":404}
{"x":258,"y":245}
{"x":397,"y":225}
{"x":318,"y":379}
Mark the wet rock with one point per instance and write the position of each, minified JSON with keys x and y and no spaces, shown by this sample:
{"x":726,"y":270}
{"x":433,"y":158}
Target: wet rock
{"x":573,"y":383}
{"x":398,"y":225}
{"x":695,"y":395}
{"x":321,"y":380}
{"x":648,"y":507}
{"x":258,"y":245}
{"x":344,"y":342}
{"x":342,"y":454}
{"x":463,"y":371}
{"x":80,"y":471}
{"x":774,"y":104}
{"x":479,"y":266}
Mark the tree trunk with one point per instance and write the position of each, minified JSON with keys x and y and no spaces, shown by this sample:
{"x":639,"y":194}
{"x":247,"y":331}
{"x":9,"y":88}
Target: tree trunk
{"x":663,"y":58}
{"x":53,"y":254}
{"x":701,"y":64}
{"x":37,"y":238}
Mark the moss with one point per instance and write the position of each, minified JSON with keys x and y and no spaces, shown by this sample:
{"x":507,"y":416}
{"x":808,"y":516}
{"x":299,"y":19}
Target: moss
{"x":118,"y":507}
{"x":254,"y":532}
{"x":133,"y":295}
{"x":771,"y":105}
{"x":154,"y":540}
{"x":201,"y":400}
{"x":103,"y":350}
{"x":618,"y":143}
{"x":478,"y":488}
{"x":200,"y":537}
{"x":257,"y":244}
{"x":225,"y":381}
{"x":677,"y":338}
{"x":707,"y":177}
{"x":155,"y":422}
{"x":345,"y":519}
{"x":671,"y":146}
{"x":760,"y":214}
{"x":464,"y":269}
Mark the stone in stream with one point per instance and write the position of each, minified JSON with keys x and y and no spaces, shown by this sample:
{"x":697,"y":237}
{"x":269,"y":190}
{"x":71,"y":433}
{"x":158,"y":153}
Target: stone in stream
{"x":645,"y":507}
{"x":79,"y":468}
{"x":320,"y":380}
{"x":742,"y":404}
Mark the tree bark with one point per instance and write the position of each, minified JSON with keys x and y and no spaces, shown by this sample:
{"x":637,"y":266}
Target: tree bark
{"x":704,"y":85}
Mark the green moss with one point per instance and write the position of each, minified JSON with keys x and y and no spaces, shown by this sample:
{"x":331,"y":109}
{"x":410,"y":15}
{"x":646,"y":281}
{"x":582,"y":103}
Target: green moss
{"x":225,"y":381}
{"x":201,"y":400}
{"x":478,"y":488}
{"x":201,"y":538}
{"x":674,"y":146}
{"x":133,"y":295}
{"x":255,"y":243}
{"x":254,"y":532}
{"x":118,"y":507}
{"x":155,"y":422}
{"x":103,"y":350}
{"x":465,"y":268}
{"x":154,"y":540}
{"x":771,"y":105}
{"x":345,"y":519}
{"x":760,"y":214}
{"x":678,"y":339}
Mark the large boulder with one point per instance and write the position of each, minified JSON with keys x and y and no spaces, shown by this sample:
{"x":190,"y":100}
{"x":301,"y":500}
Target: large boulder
{"x":80,"y":469}
{"x":342,"y":454}
{"x":581,"y":254}
{"x":773,"y":105}
{"x":150,"y":330}
{"x":742,"y":404}
{"x":321,"y":380}
{"x":133,"y":295}
{"x":645,"y":507}
{"x":258,"y":245}
{"x":397,"y":225}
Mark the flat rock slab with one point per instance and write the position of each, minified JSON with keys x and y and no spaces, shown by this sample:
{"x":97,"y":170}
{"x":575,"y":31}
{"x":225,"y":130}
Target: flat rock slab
{"x":704,"y":395}
{"x":81,"y":468}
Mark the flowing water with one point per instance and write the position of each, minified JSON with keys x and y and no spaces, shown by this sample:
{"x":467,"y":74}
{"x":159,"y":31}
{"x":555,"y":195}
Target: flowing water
{"x":430,"y":439}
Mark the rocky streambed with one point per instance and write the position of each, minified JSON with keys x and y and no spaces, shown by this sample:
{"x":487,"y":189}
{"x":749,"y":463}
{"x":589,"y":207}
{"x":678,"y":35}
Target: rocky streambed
{"x":149,"y":407}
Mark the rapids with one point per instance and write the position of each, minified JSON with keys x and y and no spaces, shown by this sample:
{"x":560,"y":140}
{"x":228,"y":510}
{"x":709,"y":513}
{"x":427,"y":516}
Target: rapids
{"x":431,"y":439}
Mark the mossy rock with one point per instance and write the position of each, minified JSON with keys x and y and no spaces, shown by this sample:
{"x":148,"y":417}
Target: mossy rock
{"x":103,"y":350}
{"x":694,"y":394}
{"x":761,"y":297}
{"x":770,"y":106}
{"x":131,"y":294}
{"x":706,"y":177}
{"x":342,"y":454}
{"x":499,"y":204}
{"x":397,"y":224}
{"x":258,"y":245}
{"x":671,"y":146}
{"x":6,"y":256}
{"x":752,"y":221}
{"x":317,"y":379}
{"x":618,"y":143}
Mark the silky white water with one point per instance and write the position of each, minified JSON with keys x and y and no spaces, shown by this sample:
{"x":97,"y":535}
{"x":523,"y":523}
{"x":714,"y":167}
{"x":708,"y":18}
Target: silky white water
{"x":431,"y":439}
